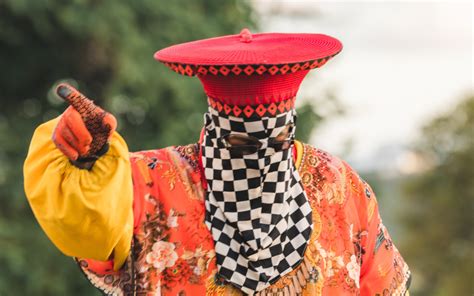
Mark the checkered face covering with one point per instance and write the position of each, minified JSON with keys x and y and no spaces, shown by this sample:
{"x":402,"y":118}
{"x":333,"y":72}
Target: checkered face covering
{"x":256,"y":208}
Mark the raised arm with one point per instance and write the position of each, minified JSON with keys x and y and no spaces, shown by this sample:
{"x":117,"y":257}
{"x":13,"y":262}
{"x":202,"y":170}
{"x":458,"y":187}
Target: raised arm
{"x":77,"y":179}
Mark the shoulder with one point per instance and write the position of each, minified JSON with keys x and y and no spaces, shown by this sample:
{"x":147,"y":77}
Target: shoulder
{"x":161,"y":174}
{"x":187,"y":153}
{"x":149,"y":165}
{"x":329,"y":177}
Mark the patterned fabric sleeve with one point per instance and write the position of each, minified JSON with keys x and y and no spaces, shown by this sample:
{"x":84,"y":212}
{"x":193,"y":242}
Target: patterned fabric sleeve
{"x":86,"y":214}
{"x":383,"y":270}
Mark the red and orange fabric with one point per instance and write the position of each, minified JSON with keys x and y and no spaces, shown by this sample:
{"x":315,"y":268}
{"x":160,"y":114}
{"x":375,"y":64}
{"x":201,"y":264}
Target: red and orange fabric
{"x":171,"y":250}
{"x":350,"y":253}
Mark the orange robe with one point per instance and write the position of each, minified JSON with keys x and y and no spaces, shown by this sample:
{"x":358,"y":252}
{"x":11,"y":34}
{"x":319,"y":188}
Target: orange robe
{"x":350,"y":252}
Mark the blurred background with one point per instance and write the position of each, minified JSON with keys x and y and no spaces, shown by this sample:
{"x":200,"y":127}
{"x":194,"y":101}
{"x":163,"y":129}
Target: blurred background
{"x":397,"y":104}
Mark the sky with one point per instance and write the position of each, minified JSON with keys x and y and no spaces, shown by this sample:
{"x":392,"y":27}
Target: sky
{"x":402,"y":64}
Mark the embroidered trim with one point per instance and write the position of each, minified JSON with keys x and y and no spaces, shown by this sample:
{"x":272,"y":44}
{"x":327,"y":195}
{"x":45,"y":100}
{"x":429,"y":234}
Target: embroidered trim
{"x":300,"y":280}
{"x":120,"y":283}
{"x":191,"y":70}
{"x":257,"y":111}
{"x":190,"y":153}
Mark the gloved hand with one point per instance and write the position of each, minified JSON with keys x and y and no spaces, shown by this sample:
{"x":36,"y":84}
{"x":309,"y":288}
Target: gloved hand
{"x":84,"y":129}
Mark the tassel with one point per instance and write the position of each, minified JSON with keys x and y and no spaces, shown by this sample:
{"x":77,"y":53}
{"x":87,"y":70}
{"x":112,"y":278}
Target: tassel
{"x":296,"y":284}
{"x":304,"y":270}
{"x":292,"y":290}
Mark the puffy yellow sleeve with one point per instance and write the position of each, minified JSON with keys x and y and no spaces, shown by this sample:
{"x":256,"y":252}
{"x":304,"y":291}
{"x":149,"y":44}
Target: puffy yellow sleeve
{"x":86,"y":214}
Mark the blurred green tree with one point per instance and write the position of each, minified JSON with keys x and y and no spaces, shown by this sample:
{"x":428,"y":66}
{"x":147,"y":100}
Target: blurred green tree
{"x":438,"y":218}
{"x":105,"y":48}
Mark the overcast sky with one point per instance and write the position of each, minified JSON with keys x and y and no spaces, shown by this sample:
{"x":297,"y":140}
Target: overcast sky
{"x":402,"y":63}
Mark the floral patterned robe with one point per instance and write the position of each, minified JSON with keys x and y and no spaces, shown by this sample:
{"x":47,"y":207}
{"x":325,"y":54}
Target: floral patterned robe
{"x":350,"y":252}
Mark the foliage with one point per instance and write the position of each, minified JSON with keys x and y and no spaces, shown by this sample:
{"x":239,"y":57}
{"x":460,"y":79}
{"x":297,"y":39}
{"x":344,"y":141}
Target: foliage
{"x":439,"y":238}
{"x":313,"y":112}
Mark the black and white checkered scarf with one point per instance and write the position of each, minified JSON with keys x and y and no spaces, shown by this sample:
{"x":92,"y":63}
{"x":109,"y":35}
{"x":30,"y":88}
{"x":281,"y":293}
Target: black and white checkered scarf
{"x":256,"y":208}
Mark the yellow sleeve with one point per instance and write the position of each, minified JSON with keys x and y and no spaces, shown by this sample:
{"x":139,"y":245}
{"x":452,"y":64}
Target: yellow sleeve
{"x":86,"y":214}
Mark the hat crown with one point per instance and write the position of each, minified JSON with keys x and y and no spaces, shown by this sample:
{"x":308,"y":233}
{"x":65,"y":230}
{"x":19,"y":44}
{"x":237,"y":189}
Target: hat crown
{"x":242,"y":90}
{"x":249,"y":49}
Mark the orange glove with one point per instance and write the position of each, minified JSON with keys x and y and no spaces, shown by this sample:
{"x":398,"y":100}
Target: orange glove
{"x":84,"y":129}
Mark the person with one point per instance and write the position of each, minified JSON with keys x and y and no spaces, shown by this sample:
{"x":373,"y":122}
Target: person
{"x":248,"y":209}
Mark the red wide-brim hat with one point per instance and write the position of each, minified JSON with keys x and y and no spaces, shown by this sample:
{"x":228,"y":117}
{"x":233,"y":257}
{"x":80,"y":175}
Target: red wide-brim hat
{"x":251,"y":69}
